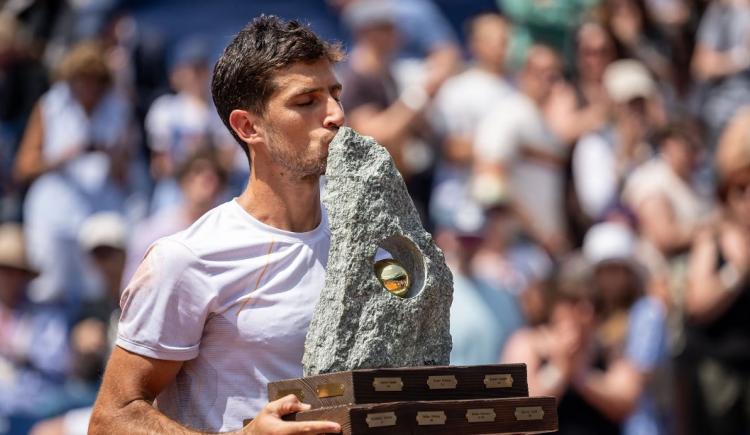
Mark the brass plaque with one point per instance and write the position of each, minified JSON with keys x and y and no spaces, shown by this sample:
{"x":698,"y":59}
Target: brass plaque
{"x":442,"y":382}
{"x":430,"y":418}
{"x":529,"y":413}
{"x":297,"y":392}
{"x":330,"y":390}
{"x":482,"y":415}
{"x":388,"y":384}
{"x":503,"y":380}
{"x":381,"y":419}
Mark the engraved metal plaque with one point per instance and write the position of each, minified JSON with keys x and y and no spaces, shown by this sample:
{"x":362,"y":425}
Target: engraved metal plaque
{"x":482,"y":415}
{"x":529,"y":413}
{"x":388,"y":384}
{"x":430,"y":418}
{"x":381,"y":419}
{"x":297,"y":392}
{"x":502,"y":380}
{"x":330,"y":390}
{"x":442,"y":382}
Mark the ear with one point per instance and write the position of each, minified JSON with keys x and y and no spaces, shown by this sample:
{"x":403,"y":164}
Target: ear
{"x":246,"y":125}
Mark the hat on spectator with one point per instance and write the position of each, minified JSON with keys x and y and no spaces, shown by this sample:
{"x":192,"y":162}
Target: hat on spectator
{"x":627,"y":79}
{"x":105,"y":229}
{"x":193,"y":50}
{"x":610,"y":242}
{"x":365,"y":13}
{"x":13,"y":249}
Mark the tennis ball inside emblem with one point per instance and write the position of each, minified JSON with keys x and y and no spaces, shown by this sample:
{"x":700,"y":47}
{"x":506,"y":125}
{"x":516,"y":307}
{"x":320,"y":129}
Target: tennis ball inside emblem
{"x":393,"y":276}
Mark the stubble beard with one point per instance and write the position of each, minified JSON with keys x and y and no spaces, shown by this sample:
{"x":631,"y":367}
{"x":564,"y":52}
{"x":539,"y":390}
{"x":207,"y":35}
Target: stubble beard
{"x":302,"y":165}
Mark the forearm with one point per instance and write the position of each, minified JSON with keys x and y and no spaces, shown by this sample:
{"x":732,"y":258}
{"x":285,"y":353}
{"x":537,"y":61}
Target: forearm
{"x":595,"y":389}
{"x":387,"y":126}
{"x":138,"y":417}
{"x":710,"y":296}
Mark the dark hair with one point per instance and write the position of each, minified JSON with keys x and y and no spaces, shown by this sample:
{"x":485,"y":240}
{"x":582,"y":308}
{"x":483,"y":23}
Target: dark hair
{"x":243,"y":75}
{"x":205,"y":154}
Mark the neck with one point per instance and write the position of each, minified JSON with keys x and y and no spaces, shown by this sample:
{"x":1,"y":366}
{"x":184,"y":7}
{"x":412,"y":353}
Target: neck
{"x":491,"y":68}
{"x":282,"y":202}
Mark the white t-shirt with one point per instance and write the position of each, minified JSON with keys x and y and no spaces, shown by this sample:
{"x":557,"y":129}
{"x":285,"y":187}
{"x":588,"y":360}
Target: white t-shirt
{"x":656,"y":179}
{"x":512,"y":126}
{"x":233,"y":298}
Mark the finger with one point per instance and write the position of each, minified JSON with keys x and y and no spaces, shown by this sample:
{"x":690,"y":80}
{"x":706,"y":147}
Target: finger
{"x":311,"y":427}
{"x":286,"y":405}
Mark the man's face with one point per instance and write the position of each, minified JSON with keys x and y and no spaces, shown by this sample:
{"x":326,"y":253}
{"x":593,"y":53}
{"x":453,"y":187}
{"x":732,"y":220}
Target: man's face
{"x":302,"y":117}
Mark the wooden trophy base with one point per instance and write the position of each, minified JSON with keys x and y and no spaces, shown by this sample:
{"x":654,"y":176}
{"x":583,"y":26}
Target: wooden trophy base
{"x":448,"y":417}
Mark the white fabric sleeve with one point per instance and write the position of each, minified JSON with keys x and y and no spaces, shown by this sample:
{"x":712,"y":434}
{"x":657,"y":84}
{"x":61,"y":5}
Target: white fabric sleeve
{"x":165,"y":305}
{"x":594,"y":175}
{"x":497,"y":138}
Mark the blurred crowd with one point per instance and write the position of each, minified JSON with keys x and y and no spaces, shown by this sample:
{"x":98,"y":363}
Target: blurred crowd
{"x":583,"y":164}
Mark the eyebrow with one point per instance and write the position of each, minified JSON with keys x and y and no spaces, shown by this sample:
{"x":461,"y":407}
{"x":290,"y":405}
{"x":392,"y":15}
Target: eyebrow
{"x":310,"y":90}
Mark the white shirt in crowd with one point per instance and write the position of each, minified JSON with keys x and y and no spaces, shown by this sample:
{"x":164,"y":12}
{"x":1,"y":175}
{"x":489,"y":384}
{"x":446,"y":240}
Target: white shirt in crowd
{"x":510,"y":129}
{"x":233,"y":298}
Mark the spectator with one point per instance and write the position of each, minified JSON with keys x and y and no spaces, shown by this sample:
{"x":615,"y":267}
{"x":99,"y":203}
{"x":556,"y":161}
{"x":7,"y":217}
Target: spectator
{"x":632,"y":334}
{"x":554,"y":349}
{"x":474,"y":329}
{"x":514,"y":142}
{"x":33,"y":338}
{"x":374,"y":104}
{"x":201,"y":179}
{"x":551,"y":22}
{"x":602,"y":160}
{"x":181,"y":124}
{"x":721,"y":61}
{"x":460,"y":105}
{"x":663,"y":194}
{"x":718,"y":298}
{"x":76,"y":151}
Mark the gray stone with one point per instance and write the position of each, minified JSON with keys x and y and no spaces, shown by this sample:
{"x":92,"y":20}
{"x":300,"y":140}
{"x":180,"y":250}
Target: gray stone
{"x":357,"y":323}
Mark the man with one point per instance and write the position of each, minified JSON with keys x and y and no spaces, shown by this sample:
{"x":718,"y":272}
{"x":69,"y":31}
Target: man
{"x":461,"y":103}
{"x":515,"y":143}
{"x":217,"y":311}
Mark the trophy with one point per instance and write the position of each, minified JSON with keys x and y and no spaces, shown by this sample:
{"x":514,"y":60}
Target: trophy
{"x":377,"y":351}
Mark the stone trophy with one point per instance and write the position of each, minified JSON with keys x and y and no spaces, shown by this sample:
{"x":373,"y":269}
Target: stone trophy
{"x":357,"y":324}
{"x":377,"y":351}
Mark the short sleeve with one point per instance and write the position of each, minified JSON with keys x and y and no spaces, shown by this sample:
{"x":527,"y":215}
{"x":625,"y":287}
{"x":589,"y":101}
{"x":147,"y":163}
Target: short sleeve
{"x":646,"y":342}
{"x":710,"y":28}
{"x":165,"y":305}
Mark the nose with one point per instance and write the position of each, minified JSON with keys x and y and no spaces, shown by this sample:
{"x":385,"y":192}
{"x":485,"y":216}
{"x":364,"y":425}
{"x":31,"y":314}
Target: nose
{"x":334,"y":115}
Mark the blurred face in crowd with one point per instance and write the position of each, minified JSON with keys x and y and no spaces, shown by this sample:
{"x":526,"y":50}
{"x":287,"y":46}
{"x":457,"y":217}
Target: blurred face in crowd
{"x":489,"y":41}
{"x":12,"y":285}
{"x":382,"y":37}
{"x":572,"y":318}
{"x":201,"y":184}
{"x":110,"y":262}
{"x":595,"y":51}
{"x":541,"y":71}
{"x":88,"y":90}
{"x":301,"y":118}
{"x":617,"y":283}
{"x":191,"y":78}
{"x":680,"y":154}
{"x":738,"y":196}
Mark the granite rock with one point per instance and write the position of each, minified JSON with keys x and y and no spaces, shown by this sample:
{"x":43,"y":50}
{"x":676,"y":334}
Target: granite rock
{"x":357,"y":323}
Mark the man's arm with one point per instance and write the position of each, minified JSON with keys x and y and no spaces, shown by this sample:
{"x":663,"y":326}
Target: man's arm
{"x":132,"y":382}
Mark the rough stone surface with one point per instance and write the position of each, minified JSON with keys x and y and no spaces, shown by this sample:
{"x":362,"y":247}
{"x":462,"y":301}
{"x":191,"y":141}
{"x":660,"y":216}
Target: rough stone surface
{"x":357,"y":323}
